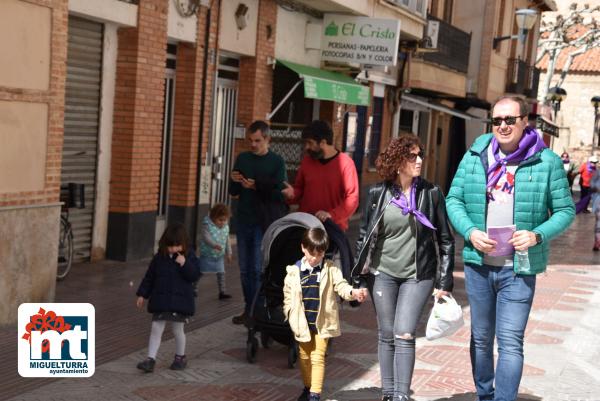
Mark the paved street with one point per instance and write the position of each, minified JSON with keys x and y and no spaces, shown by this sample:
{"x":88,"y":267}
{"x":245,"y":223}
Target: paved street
{"x":562,"y":346}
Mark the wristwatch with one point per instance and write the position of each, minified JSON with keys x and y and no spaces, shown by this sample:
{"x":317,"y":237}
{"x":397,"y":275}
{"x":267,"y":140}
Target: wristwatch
{"x":538,"y":238}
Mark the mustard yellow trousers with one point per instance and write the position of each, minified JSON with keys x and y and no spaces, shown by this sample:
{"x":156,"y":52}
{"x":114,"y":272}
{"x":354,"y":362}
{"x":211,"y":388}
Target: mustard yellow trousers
{"x":312,"y":362}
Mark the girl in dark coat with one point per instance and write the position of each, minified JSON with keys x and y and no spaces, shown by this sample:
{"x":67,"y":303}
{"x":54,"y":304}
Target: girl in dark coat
{"x":168,"y":285}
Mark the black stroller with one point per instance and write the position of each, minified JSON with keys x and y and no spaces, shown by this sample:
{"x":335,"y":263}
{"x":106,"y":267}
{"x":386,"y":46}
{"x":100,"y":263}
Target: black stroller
{"x":280,"y":248}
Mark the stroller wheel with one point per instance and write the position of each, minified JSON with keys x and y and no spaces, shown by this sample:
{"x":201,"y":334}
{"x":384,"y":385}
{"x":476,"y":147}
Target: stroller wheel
{"x":265,"y":339}
{"x":292,"y":355}
{"x":251,"y":347}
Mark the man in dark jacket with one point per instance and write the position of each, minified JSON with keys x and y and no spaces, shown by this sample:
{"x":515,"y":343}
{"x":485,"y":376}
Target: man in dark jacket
{"x":256,"y":180}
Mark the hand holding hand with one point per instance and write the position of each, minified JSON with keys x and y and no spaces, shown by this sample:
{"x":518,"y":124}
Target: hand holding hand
{"x":482,"y":242}
{"x":180,"y":259}
{"x":139,"y":302}
{"x":523,"y":239}
{"x":359,"y":294}
{"x":218,"y":247}
{"x":323,"y":215}
{"x":288,"y":191}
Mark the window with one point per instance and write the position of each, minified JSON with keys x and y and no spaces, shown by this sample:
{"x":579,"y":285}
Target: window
{"x":416,"y":6}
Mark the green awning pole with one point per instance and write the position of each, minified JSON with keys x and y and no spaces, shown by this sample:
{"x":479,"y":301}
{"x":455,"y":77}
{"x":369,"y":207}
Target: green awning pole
{"x":271,"y":114}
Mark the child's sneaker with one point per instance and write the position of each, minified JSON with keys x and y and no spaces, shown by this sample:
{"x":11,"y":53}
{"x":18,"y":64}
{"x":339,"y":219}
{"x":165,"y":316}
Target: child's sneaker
{"x":147,"y":365}
{"x":179,"y":363}
{"x":222,"y":295}
{"x":314,"y":397}
{"x":305,"y":394}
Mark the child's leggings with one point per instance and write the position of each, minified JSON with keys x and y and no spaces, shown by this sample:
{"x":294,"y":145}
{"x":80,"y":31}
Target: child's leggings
{"x":221,"y":281}
{"x":312,"y":362}
{"x":158,"y":326}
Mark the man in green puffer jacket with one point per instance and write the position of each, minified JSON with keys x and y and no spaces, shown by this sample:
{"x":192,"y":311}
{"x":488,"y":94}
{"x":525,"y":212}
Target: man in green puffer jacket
{"x":506,"y":181}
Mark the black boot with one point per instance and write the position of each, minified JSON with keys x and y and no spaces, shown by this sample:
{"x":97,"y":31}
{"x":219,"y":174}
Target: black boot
{"x":147,"y":365}
{"x":179,"y":363}
{"x":222,"y":295}
{"x":304,"y":395}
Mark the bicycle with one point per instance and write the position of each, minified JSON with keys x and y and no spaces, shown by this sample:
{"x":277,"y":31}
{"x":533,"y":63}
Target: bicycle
{"x":72,"y":195}
{"x":65,"y":245}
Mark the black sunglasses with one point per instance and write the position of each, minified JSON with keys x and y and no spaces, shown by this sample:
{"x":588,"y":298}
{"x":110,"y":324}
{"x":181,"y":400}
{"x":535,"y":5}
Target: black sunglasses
{"x":509,"y":120}
{"x":412,"y":157}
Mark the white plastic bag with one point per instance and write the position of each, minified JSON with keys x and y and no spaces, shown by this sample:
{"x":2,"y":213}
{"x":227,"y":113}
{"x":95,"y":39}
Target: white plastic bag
{"x":445,"y":318}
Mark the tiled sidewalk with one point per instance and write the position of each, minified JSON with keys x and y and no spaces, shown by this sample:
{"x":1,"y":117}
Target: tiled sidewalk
{"x":562,"y":352}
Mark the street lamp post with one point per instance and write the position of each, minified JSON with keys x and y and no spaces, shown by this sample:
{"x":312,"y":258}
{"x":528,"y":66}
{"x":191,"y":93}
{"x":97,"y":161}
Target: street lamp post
{"x":525,"y":19}
{"x":555,"y":96}
{"x":596,"y":103}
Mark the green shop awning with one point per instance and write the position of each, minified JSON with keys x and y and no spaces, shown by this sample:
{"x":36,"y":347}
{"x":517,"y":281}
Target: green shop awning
{"x":329,"y":85}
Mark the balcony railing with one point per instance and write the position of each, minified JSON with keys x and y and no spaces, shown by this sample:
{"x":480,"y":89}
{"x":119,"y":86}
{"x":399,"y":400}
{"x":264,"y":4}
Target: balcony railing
{"x":522,"y":78}
{"x":453,"y":47}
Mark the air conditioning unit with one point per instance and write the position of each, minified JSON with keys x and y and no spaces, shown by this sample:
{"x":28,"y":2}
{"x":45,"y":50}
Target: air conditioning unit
{"x":430,"y":40}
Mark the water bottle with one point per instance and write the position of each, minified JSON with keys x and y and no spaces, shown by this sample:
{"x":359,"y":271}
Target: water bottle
{"x":523,"y":260}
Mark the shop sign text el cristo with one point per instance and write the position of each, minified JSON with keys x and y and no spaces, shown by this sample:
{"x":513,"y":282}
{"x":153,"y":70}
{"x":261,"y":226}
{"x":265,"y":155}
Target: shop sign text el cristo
{"x":360,"y":40}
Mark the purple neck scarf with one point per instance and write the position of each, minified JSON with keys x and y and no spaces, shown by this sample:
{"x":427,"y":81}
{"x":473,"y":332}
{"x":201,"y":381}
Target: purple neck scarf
{"x":530,"y":144}
{"x":590,"y":167}
{"x":399,"y":200}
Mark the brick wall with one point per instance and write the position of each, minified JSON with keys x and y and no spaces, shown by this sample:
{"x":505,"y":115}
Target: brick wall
{"x":54,"y":97}
{"x":138,"y":117}
{"x":256,"y":77}
{"x":137,"y":134}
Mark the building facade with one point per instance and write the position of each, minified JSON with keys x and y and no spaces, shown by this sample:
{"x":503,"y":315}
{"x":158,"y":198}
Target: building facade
{"x":128,"y":114}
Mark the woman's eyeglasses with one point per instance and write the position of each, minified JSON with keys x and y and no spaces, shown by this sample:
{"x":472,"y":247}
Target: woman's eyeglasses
{"x":509,"y":120}
{"x":412,"y":157}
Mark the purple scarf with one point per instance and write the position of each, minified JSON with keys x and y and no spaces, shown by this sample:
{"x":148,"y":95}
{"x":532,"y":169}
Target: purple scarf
{"x":400,"y":201}
{"x":530,"y":144}
{"x":590,"y":167}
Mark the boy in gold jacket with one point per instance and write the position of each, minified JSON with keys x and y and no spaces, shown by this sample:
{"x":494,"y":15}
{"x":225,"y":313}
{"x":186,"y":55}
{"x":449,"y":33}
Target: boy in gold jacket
{"x":310,"y":306}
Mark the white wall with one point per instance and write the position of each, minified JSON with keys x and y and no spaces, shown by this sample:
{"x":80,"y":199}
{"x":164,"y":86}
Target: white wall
{"x":181,"y":28}
{"x":289,"y":40}
{"x":230,"y":37}
{"x":121,"y":13}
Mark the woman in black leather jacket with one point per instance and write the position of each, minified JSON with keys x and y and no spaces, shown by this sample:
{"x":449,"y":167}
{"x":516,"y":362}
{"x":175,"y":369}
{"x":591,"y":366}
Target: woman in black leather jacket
{"x":404,"y":228}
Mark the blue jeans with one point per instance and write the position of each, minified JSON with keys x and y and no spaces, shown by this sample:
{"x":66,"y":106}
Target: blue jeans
{"x":249,"y":238}
{"x":398,"y":304}
{"x":500,"y":303}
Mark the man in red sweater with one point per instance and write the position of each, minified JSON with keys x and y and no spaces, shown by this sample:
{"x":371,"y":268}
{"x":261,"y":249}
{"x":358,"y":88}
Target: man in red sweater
{"x":326,"y":183}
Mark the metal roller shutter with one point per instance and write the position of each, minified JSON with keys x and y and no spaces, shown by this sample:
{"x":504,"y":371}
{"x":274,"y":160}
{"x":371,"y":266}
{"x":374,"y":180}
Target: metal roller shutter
{"x":82,"y":112}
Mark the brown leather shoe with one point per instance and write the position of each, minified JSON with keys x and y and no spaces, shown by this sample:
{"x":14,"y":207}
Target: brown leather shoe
{"x":241,"y":319}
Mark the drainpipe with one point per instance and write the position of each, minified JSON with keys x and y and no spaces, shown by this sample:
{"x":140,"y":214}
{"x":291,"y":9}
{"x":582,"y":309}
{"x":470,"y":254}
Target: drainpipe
{"x":201,"y":129}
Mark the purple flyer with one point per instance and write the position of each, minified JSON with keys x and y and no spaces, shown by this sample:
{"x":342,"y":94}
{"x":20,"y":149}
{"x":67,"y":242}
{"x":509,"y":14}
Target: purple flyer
{"x":501,"y":235}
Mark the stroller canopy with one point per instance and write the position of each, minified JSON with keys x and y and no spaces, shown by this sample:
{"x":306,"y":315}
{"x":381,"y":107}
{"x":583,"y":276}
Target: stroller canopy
{"x":297,"y":219}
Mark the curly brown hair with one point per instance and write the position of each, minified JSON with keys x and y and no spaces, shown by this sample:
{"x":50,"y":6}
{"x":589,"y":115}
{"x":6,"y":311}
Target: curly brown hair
{"x":219,"y":210}
{"x":396,"y":155}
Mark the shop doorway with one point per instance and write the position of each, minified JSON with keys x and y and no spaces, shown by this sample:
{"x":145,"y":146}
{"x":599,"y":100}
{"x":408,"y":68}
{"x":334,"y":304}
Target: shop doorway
{"x":167,"y":138}
{"x":224,"y":126}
